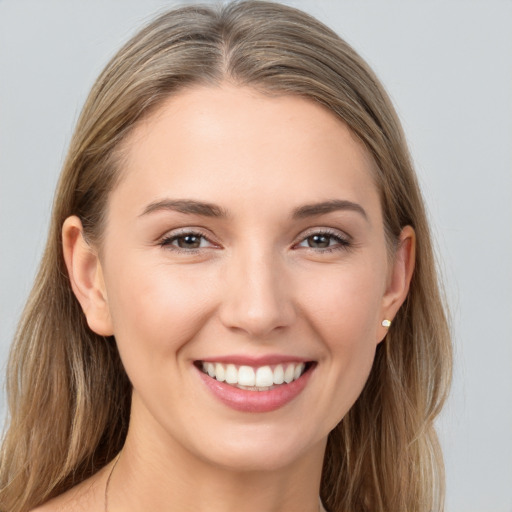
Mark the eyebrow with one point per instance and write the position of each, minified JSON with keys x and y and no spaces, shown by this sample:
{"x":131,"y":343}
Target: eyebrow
{"x":310,"y":210}
{"x":190,"y":206}
{"x":186,"y":206}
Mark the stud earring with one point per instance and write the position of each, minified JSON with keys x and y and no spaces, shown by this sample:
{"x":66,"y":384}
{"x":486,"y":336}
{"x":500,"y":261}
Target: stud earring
{"x":386,"y":323}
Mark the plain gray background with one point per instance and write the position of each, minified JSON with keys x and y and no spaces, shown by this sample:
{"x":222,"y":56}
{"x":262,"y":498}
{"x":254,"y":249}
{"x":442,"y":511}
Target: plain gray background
{"x":447,"y":66}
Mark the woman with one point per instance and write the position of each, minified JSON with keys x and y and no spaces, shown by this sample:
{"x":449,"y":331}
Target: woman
{"x":238,"y":304}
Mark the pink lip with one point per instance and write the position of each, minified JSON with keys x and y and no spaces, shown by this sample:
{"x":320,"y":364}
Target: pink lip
{"x":255,"y":401}
{"x":255,"y":361}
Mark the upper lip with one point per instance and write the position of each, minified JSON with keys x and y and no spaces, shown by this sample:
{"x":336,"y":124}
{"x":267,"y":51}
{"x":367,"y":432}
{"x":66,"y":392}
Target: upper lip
{"x":264,"y":360}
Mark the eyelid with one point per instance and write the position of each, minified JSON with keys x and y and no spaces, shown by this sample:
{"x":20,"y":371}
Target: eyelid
{"x":169,"y":236}
{"x":323,"y":230}
{"x":345,"y":239}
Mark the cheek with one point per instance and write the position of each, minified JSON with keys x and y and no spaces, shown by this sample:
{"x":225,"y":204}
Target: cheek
{"x":343,"y":309}
{"x":155,"y":311}
{"x":344,"y":303}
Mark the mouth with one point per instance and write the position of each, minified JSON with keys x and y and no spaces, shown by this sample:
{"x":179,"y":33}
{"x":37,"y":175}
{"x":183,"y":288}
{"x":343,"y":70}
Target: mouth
{"x":255,"y":378}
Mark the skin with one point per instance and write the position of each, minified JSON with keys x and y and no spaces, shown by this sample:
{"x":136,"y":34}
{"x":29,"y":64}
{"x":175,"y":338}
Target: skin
{"x":255,"y":286}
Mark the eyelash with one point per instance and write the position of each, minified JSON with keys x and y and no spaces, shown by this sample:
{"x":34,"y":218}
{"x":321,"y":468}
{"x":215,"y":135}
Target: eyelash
{"x":341,"y":242}
{"x":167,"y":241}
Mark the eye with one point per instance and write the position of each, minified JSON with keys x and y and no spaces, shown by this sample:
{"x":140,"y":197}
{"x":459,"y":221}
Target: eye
{"x":324,"y":241}
{"x":186,"y":241}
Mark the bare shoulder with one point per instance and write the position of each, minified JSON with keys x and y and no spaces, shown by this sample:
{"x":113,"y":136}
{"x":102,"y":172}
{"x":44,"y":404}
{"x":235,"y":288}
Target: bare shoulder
{"x":88,"y":496}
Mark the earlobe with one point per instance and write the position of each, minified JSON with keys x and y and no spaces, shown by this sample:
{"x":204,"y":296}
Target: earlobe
{"x":399,"y":280}
{"x":86,"y":276}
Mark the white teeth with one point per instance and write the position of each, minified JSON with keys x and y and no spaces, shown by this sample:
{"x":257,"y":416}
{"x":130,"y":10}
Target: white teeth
{"x":289,"y":373}
{"x":231,"y":374}
{"x":278,"y":374}
{"x":210,"y":368}
{"x":220,"y":373}
{"x":262,"y":378}
{"x":246,"y":376}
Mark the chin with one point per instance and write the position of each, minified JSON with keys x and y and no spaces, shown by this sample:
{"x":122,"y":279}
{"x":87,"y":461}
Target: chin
{"x":255,"y":451}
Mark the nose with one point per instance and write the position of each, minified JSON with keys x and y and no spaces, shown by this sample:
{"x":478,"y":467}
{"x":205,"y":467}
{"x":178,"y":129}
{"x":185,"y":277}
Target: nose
{"x":257,"y":298}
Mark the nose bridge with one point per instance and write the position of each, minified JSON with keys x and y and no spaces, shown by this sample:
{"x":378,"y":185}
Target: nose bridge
{"x":257,"y":299}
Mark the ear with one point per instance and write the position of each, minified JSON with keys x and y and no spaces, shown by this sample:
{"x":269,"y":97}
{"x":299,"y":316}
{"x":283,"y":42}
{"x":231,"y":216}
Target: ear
{"x":399,"y":279}
{"x":86,"y":276}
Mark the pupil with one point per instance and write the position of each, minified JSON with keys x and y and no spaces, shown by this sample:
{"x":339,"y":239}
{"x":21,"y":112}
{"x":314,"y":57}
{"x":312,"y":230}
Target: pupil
{"x":189,"y":242}
{"x":319,"y":241}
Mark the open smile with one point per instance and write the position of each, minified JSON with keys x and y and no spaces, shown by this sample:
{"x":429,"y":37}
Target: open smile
{"x":255,"y":388}
{"x":261,"y":378}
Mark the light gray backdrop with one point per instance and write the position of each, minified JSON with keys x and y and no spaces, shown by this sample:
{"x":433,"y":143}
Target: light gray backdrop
{"x":448,"y":67}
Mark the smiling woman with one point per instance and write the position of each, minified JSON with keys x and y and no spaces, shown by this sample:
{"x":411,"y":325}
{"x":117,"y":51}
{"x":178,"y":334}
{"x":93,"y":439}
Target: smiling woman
{"x":236,"y":226}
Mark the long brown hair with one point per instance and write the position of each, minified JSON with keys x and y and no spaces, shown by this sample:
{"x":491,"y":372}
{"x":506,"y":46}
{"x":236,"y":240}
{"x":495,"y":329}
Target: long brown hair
{"x":68,"y":394}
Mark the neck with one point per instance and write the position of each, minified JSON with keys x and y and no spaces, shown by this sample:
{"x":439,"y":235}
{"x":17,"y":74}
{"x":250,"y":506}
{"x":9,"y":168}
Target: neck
{"x":156,"y":477}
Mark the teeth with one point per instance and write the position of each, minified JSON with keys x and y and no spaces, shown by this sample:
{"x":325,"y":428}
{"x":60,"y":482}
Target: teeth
{"x":220,"y":373}
{"x":262,"y":378}
{"x":278,"y":374}
{"x":231,"y":374}
{"x":298,"y":371}
{"x":289,"y":373}
{"x":246,"y":376}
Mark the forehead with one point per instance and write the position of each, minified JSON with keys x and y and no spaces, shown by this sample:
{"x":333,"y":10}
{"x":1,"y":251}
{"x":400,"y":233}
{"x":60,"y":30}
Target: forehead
{"x":227,"y":143}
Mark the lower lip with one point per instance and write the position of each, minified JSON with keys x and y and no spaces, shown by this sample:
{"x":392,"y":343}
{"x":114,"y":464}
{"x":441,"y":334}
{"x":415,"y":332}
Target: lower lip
{"x":256,"y":401}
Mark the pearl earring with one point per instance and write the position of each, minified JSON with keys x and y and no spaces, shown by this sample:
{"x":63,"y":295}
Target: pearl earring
{"x":386,"y":323}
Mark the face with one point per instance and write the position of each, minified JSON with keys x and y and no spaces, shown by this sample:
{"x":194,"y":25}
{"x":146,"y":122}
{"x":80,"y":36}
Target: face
{"x":245,"y":274}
